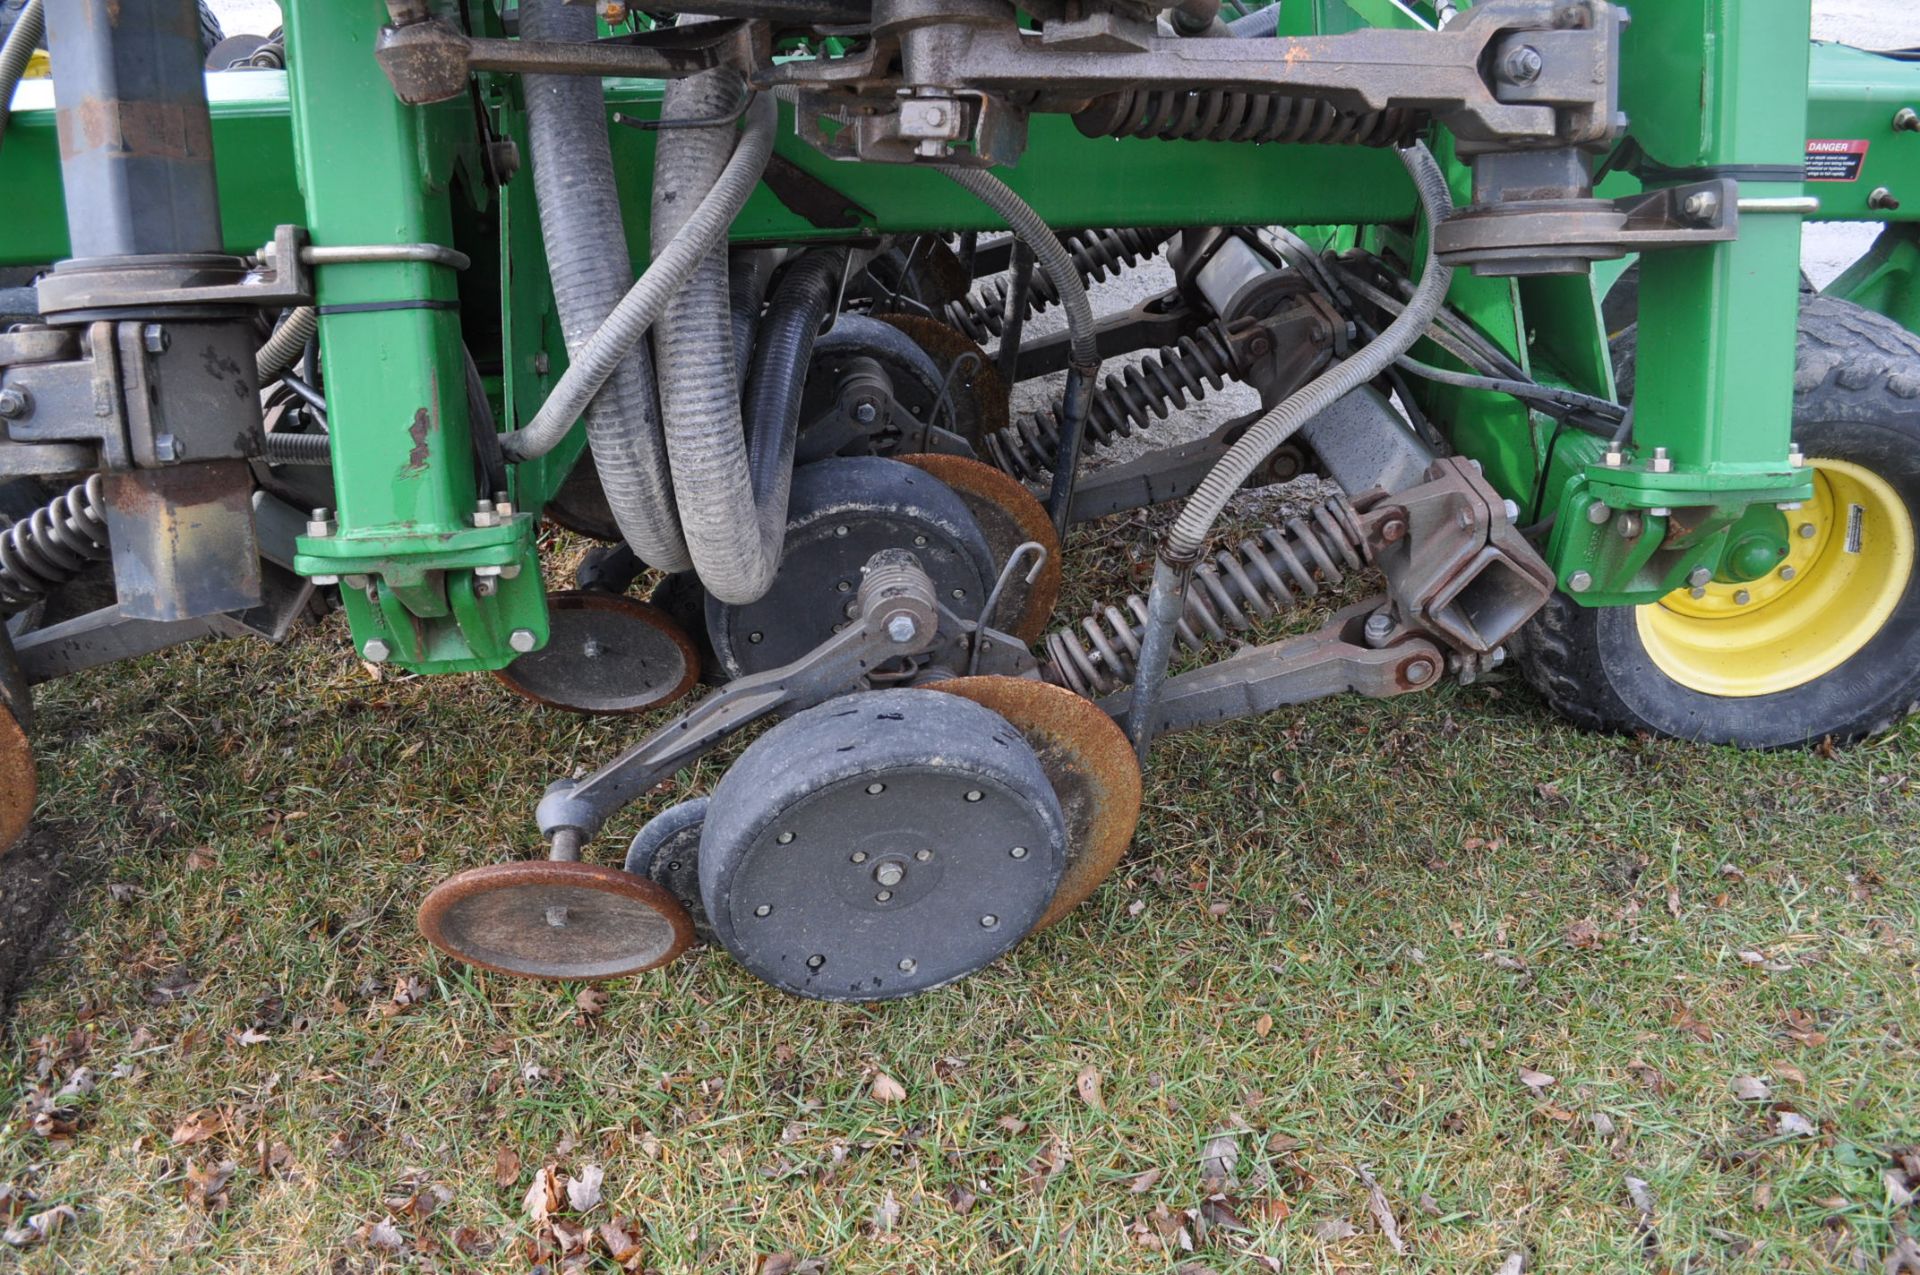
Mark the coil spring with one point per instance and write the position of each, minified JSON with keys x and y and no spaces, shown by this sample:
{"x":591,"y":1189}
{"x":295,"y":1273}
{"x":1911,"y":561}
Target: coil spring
{"x":1218,"y":115}
{"x":51,"y":546}
{"x":1127,"y":400}
{"x":1263,"y":576}
{"x":1098,"y":255}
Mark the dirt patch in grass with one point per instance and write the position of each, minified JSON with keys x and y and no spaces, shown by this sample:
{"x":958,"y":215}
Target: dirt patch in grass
{"x":36,"y":879}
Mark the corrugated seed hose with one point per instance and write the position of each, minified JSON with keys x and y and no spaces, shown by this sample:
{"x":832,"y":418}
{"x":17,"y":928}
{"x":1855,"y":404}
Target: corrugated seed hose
{"x":287,"y":343}
{"x":22,"y":40}
{"x":1188,"y":536}
{"x":587,"y":257}
{"x":1052,"y":257}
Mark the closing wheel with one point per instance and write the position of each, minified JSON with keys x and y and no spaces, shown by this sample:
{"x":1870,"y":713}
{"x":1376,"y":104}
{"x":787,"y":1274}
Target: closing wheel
{"x":551,"y":920}
{"x":667,"y":852}
{"x":880,"y":845}
{"x":1008,"y":516}
{"x":1812,"y":631}
{"x":606,"y":654}
{"x":1088,"y":760}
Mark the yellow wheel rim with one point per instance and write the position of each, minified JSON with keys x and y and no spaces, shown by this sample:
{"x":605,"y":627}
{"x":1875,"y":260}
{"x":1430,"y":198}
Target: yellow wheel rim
{"x":1848,"y":564}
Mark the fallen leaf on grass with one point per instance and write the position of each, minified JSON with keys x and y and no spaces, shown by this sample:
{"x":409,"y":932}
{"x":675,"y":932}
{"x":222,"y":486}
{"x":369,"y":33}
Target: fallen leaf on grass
{"x":1263,"y":1025}
{"x":200,"y":858}
{"x":208,"y":1187}
{"x":41,"y":1227}
{"x":1802,"y":1028}
{"x":1899,"y":1194}
{"x":1334,"y":1228}
{"x":543,"y":1197}
{"x":197,"y":1127}
{"x":79,"y":1085}
{"x":583,"y":1188}
{"x":1791,"y":1124}
{"x":473,"y":1241}
{"x":886,"y":1089}
{"x":961,"y":1199}
{"x":506,"y":1167}
{"x":1759,"y":960}
{"x":1535,"y":1080}
{"x":592,"y":1000}
{"x":623,"y":1243}
{"x":1053,"y":1157}
{"x":383,"y":1235}
{"x":1583,"y":933}
{"x":1087,"y":1085}
{"x":1144,"y":1182}
{"x":252,"y":1036}
{"x":1012,"y":1124}
{"x":1516,"y":1264}
{"x":1382,"y":1211}
{"x":1751,"y":1089}
{"x":886,"y":1214}
{"x":1219,"y":1156}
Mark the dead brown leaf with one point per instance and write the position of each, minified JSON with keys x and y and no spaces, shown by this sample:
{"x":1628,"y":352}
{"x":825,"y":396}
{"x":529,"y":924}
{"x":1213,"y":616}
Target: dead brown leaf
{"x":886,"y":1089}
{"x":592,"y":1000}
{"x":583,"y":1188}
{"x":1087,"y":1085}
{"x":1144,"y":1182}
{"x":506,"y":1167}
{"x":41,"y":1227}
{"x":200,"y":858}
{"x":208,"y":1187}
{"x":1535,"y":1080}
{"x":198,"y":1127}
{"x":383,"y":1235}
{"x":1751,"y":1089}
{"x":1583,"y":933}
{"x":1382,"y":1211}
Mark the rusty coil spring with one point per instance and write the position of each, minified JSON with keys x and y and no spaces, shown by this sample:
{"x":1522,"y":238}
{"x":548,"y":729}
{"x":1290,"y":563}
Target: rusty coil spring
{"x":1098,"y":255}
{"x":1263,"y":576}
{"x":1127,"y":400}
{"x":1219,"y":115}
{"x":51,"y":546}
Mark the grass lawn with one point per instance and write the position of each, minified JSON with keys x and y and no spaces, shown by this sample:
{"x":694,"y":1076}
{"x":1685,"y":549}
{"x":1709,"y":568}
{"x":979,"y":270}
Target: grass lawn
{"x":1517,"y":977}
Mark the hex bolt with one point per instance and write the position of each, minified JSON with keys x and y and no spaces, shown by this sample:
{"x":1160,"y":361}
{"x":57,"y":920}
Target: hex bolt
{"x":1808,"y":531}
{"x":889,"y":874}
{"x":356,"y":581}
{"x":959,"y":594}
{"x":1697,"y":592}
{"x":902,"y":629}
{"x":1788,"y":573}
{"x":1522,"y":65}
{"x":320,"y":523}
{"x":1702,"y":206}
{"x":1796,"y":457}
{"x":756,"y":637}
{"x":1741,"y":597}
{"x":974,"y":794}
{"x":1883,"y":199}
{"x":908,"y":965}
{"x":840,"y":531}
{"x":1598,"y":513}
{"x":1379,"y":627}
{"x":522,"y":640}
{"x":1699,"y":576}
{"x":376,"y":651}
{"x":591,"y":649}
{"x":1512,"y":509}
{"x":1906,"y":120}
{"x":541,"y":363}
{"x":485,"y":586}
{"x":845,"y":586}
{"x":1580,"y":581}
{"x":919,"y":542}
{"x":1660,"y":511}
{"x":15,"y":403}
{"x":1615,"y":458}
{"x":1662,"y":463}
{"x":865,"y":413}
{"x":1788,"y":506}
{"x":874,"y":790}
{"x":155,"y":339}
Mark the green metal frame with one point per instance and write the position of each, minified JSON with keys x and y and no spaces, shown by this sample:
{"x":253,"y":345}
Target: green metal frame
{"x":328,"y":146}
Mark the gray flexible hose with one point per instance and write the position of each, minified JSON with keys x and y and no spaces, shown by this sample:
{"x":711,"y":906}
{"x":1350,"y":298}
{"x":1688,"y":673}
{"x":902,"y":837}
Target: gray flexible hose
{"x":21,"y":41}
{"x":589,"y":369}
{"x":1189,"y":534}
{"x":1173,"y":568}
{"x":587,"y":257}
{"x":1032,"y":230}
{"x":287,"y":344}
{"x":1258,"y":25}
{"x":734,"y":540}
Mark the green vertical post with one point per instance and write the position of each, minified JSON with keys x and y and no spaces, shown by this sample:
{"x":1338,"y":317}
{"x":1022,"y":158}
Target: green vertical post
{"x":1714,"y":84}
{"x":406,"y":549}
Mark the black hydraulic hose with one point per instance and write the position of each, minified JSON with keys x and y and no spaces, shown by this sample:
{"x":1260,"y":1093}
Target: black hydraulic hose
{"x":1188,"y":536}
{"x":749,"y":269}
{"x":21,"y":41}
{"x":1570,"y":404}
{"x":580,"y":222}
{"x":1057,"y":262}
{"x":802,"y":299}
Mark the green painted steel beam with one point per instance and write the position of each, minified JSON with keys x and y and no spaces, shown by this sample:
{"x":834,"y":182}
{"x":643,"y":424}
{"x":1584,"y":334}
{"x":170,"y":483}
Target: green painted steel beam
{"x":1855,"y":99}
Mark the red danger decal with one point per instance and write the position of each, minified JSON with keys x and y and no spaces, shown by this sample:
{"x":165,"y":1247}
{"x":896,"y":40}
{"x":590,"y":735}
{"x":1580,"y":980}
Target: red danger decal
{"x":1835,"y":161}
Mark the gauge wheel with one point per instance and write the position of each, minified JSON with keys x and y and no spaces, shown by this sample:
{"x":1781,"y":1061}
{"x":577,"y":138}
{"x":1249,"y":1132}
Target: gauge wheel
{"x":1818,"y":637}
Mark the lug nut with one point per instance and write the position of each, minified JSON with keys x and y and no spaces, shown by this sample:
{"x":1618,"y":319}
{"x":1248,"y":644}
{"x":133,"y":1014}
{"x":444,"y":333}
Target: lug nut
{"x":523,"y":640}
{"x":1379,"y":626}
{"x":376,"y":651}
{"x":1808,"y":531}
{"x":908,"y":966}
{"x":1702,"y":206}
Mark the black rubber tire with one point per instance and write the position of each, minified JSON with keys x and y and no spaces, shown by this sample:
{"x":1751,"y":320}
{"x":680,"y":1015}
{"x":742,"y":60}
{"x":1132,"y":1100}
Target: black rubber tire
{"x":1856,"y":398}
{"x":211,"y":32}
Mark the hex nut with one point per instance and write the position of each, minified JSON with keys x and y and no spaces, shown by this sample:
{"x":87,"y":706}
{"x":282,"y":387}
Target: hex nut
{"x":523,"y":640}
{"x":15,"y":403}
{"x":376,"y":651}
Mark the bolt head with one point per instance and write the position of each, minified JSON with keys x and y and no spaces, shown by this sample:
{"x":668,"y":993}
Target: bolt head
{"x":1512,"y":509}
{"x":865,"y":413}
{"x":902,"y":629}
{"x":1788,"y":573}
{"x":14,"y":403}
{"x":1808,"y":531}
{"x":1741,"y":597}
{"x":1598,"y":513}
{"x":1419,"y":671}
{"x":1580,"y":581}
{"x":889,"y":874}
{"x":1615,"y":458}
{"x":523,"y":640}
{"x":155,"y":339}
{"x":1379,"y":624}
{"x":1523,"y":65}
{"x":1699,"y":576}
{"x":377,"y":651}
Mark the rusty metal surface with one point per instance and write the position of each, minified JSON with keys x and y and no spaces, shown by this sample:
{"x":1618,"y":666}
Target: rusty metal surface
{"x":551,"y":920}
{"x":985,"y":389}
{"x":606,"y":654}
{"x":1088,"y":761}
{"x":18,"y":784}
{"x":1009,"y":516}
{"x":183,"y":542}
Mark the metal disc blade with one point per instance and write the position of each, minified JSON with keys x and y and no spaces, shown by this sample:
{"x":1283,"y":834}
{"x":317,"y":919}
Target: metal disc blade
{"x":1090,"y":764}
{"x":985,"y":410}
{"x":544,"y":919}
{"x":606,"y":654}
{"x":1009,"y":516}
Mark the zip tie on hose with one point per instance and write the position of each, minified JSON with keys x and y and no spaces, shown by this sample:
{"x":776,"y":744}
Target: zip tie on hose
{"x":1054,"y":258}
{"x":642,"y":305}
{"x":1173,"y":568}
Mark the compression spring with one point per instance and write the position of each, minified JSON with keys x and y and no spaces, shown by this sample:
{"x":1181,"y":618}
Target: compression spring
{"x":1270,"y":573}
{"x":1127,"y":400}
{"x":51,"y":546}
{"x":1219,"y":115}
{"x":1098,"y":255}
